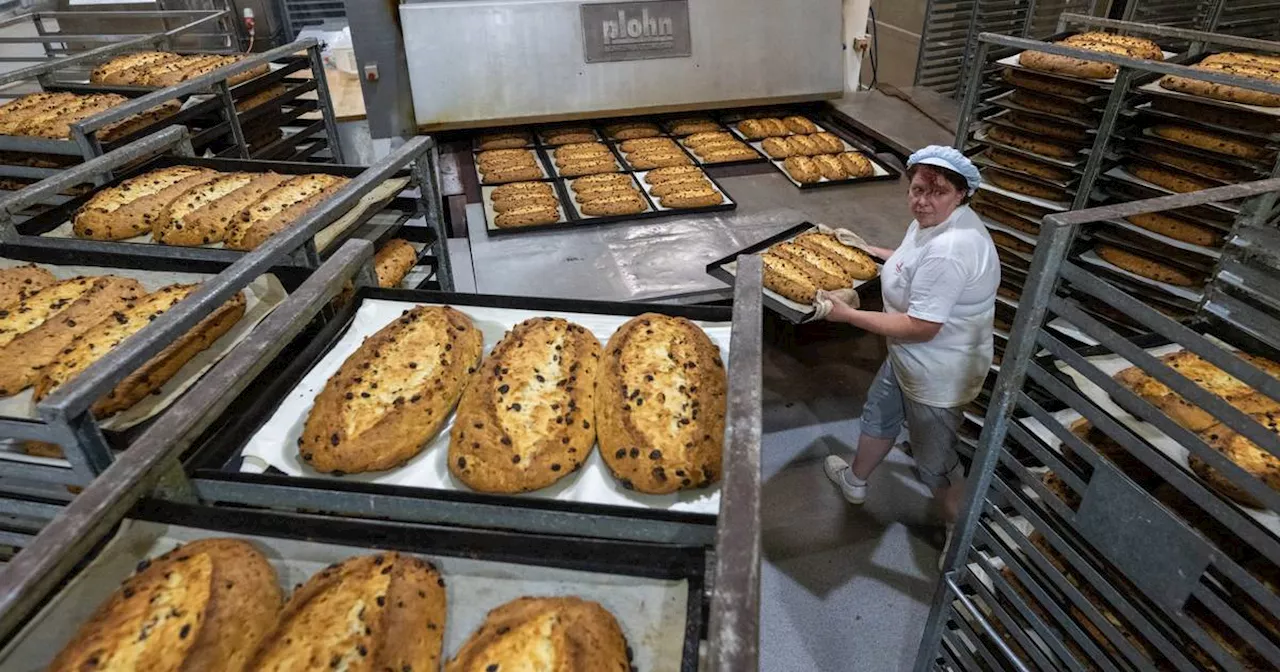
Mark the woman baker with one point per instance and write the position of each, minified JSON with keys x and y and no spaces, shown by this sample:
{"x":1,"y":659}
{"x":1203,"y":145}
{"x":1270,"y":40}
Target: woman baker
{"x":939,"y":290}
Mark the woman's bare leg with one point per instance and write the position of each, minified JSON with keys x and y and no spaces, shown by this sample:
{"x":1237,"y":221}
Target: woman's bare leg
{"x":871,"y":452}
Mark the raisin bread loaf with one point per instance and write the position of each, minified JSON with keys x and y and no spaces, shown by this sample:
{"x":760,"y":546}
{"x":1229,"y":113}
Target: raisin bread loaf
{"x":18,"y":283}
{"x":214,"y":218}
{"x":565,"y":634}
{"x":369,"y":613}
{"x":278,"y":208}
{"x":525,"y":422}
{"x":393,"y":261}
{"x":121,"y":212}
{"x":202,"y":606}
{"x":393,"y":394}
{"x":660,"y":405}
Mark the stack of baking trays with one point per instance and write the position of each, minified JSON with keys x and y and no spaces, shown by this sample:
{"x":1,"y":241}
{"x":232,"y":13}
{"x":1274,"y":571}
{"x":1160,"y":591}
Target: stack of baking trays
{"x":81,"y":279}
{"x":1036,"y":133}
{"x":1186,"y":135}
{"x":263,"y":105}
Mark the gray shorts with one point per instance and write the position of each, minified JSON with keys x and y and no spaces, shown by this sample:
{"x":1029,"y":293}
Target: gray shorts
{"x":932,"y":430}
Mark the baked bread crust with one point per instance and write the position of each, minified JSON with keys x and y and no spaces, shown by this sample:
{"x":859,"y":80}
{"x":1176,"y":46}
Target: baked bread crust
{"x":372,"y":612}
{"x":19,"y":283}
{"x":497,"y":158}
{"x":171,"y":228}
{"x":1029,"y":166}
{"x":1049,"y":104}
{"x":652,"y":160}
{"x":565,"y":634}
{"x":711,"y":137}
{"x":579,"y":151}
{"x":1008,"y":242}
{"x":1207,"y":376}
{"x":119,"y":70}
{"x":128,"y":209}
{"x":1178,"y":229}
{"x":31,"y":351}
{"x":788,"y":279}
{"x":1245,"y":453}
{"x":505,"y":140}
{"x":1008,"y":203}
{"x":855,"y":264}
{"x":521,"y":189}
{"x":1006,"y":218}
{"x":1026,"y":187}
{"x":393,"y":394}
{"x":623,"y":203}
{"x":202,"y":606}
{"x":1139,"y":47}
{"x":34,"y":310}
{"x":1050,"y":85}
{"x":1072,"y":67}
{"x":528,"y":215}
{"x":1030,"y":143}
{"x":726,"y":153}
{"x":693,"y":196}
{"x":692,"y":125}
{"x":1169,"y":179}
{"x":1045,"y":127}
{"x":631,"y":130}
{"x":524,"y":422}
{"x":278,"y":208}
{"x":658,"y":176}
{"x":590,"y":166}
{"x":1218,"y":143}
{"x":1194,"y":164}
{"x":801,"y":125}
{"x":829,"y":166}
{"x":777,"y":148}
{"x":538,"y":200}
{"x":765,"y":127}
{"x":1227,"y":92}
{"x":565,"y":136}
{"x":802,"y":169}
{"x":600,"y":181}
{"x":393,"y":261}
{"x":672,"y":186}
{"x":1147,"y":268}
{"x":215,"y":218}
{"x":1217,"y":114}
{"x":660,"y":405}
{"x":56,"y":123}
{"x":825,"y":272}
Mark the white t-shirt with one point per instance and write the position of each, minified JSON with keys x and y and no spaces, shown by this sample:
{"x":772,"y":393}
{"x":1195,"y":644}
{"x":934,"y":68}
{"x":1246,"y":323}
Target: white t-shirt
{"x":949,"y":274}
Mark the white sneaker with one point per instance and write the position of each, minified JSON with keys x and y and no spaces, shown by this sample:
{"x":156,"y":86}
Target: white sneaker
{"x":838,"y":471}
{"x":946,"y":546}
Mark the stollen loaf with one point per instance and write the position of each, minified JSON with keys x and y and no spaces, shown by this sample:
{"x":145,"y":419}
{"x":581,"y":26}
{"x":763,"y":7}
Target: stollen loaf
{"x":560,"y":634}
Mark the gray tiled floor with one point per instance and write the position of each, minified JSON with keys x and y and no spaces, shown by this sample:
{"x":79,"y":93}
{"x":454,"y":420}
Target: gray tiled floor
{"x":843,"y":587}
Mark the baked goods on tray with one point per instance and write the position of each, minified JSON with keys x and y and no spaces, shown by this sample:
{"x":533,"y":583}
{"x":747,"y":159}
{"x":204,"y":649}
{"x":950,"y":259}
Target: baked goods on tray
{"x":1194,"y":164}
{"x":92,"y":344}
{"x":1216,"y":114}
{"x":800,"y":125}
{"x":498,"y":166}
{"x":566,"y":135}
{"x":393,"y":394}
{"x":36,"y":330}
{"x":691,"y":125}
{"x":802,"y":145}
{"x":202,"y":606}
{"x":719,"y":147}
{"x":372,"y":612}
{"x":1054,"y":86}
{"x":584,"y":158}
{"x":1008,"y":242}
{"x":1120,"y":45}
{"x":682,"y":187}
{"x":651,"y":153}
{"x":504,"y":140}
{"x":19,"y":283}
{"x":1177,"y":228}
{"x":1019,"y":185}
{"x":1027,"y":165}
{"x":1146,"y":267}
{"x":393,"y":261}
{"x":50,"y":115}
{"x":1253,"y":66}
{"x":1207,"y":376}
{"x":526,"y":420}
{"x":814,"y":169}
{"x":1048,"y":127}
{"x":1167,"y":178}
{"x":159,"y":69}
{"x":630,"y":130}
{"x":660,"y":405}
{"x":279,"y":208}
{"x":798,"y":268}
{"x":1126,"y":461}
{"x":565,"y":634}
{"x":518,"y":204}
{"x":1212,"y":141}
{"x":1008,"y":219}
{"x":1049,"y":104}
{"x":765,"y":127}
{"x":1028,"y":142}
{"x":1246,"y":454}
{"x":130,"y":208}
{"x":608,"y":195}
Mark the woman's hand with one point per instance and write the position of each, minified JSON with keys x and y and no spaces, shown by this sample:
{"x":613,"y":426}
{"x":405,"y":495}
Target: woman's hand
{"x":836,"y":305}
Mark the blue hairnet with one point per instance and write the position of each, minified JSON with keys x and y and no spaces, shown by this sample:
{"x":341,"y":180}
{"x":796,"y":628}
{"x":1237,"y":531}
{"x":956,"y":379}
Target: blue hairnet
{"x":950,"y":158}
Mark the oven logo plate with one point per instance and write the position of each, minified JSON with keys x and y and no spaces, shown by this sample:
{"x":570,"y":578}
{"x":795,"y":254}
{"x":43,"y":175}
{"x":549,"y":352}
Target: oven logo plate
{"x":630,"y":31}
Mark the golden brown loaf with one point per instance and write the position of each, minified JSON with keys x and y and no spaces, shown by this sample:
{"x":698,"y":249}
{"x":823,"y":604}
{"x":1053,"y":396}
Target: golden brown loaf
{"x":1195,"y":164}
{"x":202,"y":606}
{"x":1177,"y":228}
{"x":660,"y":405}
{"x":824,"y":271}
{"x":31,"y":312}
{"x":1026,"y":165}
{"x":117,"y":70}
{"x":171,"y":227}
{"x":520,"y":189}
{"x":213,"y":219}
{"x":692,"y":196}
{"x":1026,"y":187}
{"x":801,"y":125}
{"x":1252,"y":66}
{"x":95,"y":342}
{"x":756,"y":129}
{"x":1031,"y":210}
{"x":366,"y":614}
{"x":496,"y":158}
{"x":856,"y":264}
{"x":1147,"y":268}
{"x":279,"y":208}
{"x":505,"y":140}
{"x":134,"y":124}
{"x":525,"y":421}
{"x":1008,"y":242}
{"x":129,"y":208}
{"x":631,"y":130}
{"x":564,"y":136}
{"x":802,"y":169}
{"x":529,"y":199}
{"x":1211,"y":141}
{"x":1030,"y":143}
{"x":560,"y":634}
{"x":34,"y":348}
{"x":674,"y":173}
{"x":1048,"y":128}
{"x":18,"y":283}
{"x":537,"y":214}
{"x":1008,"y":219}
{"x":788,"y":279}
{"x":393,"y":261}
{"x":579,"y":151}
{"x":708,"y":138}
{"x":1049,"y":104}
{"x":1051,"y":85}
{"x":1256,"y":461}
{"x":1217,"y":114}
{"x":1120,"y":45}
{"x":691,"y":125}
{"x":1172,"y":180}
{"x":1207,"y":376}
{"x":393,"y":394}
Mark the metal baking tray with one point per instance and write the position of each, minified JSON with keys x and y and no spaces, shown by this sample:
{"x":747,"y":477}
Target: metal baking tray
{"x":1129,"y":190}
{"x":1148,"y":109}
{"x":1261,"y":166}
{"x":1070,"y":184}
{"x":655,"y":592}
{"x":1004,"y":100}
{"x":1155,"y":89}
{"x":725,"y":269}
{"x":1134,"y":147}
{"x":616,"y":147}
{"x":572,"y":218}
{"x":1002,"y":118}
{"x":1070,"y":191}
{"x":881,"y":170}
{"x":36,"y":230}
{"x":703,"y":164}
{"x":1119,"y":173}
{"x":1182,"y":298}
{"x":540,"y":158}
{"x":218,"y":459}
{"x":980,"y":136}
{"x":600,"y":125}
{"x":549,"y":161}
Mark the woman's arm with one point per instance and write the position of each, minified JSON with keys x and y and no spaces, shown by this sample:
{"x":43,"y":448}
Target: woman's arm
{"x":898,"y":326}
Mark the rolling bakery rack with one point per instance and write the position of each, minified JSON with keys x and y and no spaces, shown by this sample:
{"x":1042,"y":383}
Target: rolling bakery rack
{"x":1104,"y":549}
{"x":512,"y":530}
{"x":59,"y":32}
{"x":211,"y":107}
{"x":34,"y":487}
